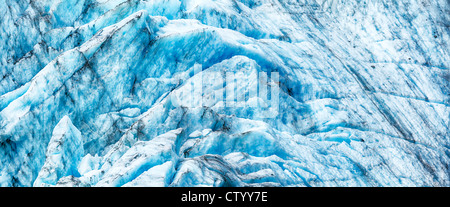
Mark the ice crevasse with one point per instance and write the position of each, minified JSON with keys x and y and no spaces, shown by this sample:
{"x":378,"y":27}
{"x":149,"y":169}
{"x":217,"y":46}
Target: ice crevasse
{"x":103,"y":95}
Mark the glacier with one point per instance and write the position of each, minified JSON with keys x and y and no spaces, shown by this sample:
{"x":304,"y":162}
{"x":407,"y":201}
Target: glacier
{"x":104,"y":93}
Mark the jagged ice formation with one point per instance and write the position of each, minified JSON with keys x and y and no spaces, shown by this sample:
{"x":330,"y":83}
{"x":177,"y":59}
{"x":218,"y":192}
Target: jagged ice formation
{"x":98,"y":93}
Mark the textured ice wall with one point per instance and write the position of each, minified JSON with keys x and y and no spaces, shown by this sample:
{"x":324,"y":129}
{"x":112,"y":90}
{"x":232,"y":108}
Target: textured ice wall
{"x":100,"y":95}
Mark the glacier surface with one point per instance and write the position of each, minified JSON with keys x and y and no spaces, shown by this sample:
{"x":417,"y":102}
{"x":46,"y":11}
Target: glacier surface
{"x":103,"y":93}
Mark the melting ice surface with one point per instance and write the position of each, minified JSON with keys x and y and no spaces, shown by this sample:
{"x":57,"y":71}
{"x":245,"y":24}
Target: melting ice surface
{"x":101,"y":95}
